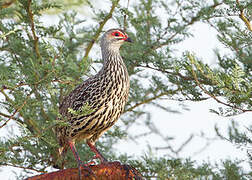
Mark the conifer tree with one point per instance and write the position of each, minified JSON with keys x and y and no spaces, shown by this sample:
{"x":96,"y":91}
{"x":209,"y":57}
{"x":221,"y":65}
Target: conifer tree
{"x":41,"y":63}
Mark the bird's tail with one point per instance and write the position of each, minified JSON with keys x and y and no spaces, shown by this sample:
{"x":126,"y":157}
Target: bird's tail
{"x":59,"y":161}
{"x":62,"y":150}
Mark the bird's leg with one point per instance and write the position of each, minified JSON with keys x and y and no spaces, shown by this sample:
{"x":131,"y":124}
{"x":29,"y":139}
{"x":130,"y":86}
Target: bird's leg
{"x":98,"y":155}
{"x":77,"y":157}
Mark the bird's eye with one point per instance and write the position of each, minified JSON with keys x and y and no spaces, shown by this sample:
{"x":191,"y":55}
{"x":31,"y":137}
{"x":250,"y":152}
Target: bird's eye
{"x":117,"y":34}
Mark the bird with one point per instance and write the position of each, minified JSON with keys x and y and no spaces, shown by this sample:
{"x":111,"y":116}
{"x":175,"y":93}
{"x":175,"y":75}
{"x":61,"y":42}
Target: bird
{"x":106,"y":93}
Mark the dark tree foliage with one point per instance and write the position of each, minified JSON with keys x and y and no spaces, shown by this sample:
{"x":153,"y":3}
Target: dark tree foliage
{"x":41,"y":63}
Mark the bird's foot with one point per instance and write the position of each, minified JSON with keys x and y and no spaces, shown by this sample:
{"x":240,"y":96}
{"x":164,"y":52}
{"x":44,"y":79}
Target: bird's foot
{"x":98,"y":155}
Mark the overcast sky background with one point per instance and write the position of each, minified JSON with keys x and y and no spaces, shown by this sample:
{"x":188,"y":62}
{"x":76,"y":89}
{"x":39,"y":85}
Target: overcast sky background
{"x":198,"y":119}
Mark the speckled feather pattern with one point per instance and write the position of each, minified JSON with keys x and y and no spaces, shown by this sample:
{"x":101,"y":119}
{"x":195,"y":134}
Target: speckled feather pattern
{"x":106,"y":93}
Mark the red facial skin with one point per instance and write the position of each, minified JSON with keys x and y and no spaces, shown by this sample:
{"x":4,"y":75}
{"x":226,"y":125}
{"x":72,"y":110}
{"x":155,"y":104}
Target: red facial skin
{"x":119,"y":34}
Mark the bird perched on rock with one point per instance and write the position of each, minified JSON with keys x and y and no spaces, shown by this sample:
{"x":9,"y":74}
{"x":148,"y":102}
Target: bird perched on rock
{"x":106,"y":94}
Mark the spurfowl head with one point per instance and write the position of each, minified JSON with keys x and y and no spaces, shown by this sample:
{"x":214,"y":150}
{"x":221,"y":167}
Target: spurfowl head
{"x":114,"y":38}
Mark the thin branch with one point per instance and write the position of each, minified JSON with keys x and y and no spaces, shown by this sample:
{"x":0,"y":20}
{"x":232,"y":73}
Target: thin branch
{"x":211,"y":95}
{"x":17,"y":110}
{"x":186,"y":78}
{"x":182,"y":146}
{"x":147,"y":101}
{"x":148,"y":23}
{"x":243,"y":18}
{"x":165,"y":43}
{"x":35,"y":38}
{"x":7,"y":4}
{"x":151,"y":99}
{"x":5,"y":121}
{"x":34,"y":126}
{"x":6,"y":96}
{"x":4,"y":35}
{"x":32,"y":84}
{"x":23,"y":167}
{"x":4,"y":87}
{"x":9,"y":118}
{"x":206,"y":145}
{"x":189,"y":23}
{"x":155,"y":47}
{"x":185,"y":143}
{"x":13,"y":88}
{"x":62,"y":81}
{"x":98,"y":32}
{"x":125,"y":18}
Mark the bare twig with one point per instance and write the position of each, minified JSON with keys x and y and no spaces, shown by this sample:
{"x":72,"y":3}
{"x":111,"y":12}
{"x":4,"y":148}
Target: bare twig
{"x":23,"y":167}
{"x":206,"y":145}
{"x":181,"y":147}
{"x":185,"y":143}
{"x":186,"y":78}
{"x":148,"y":100}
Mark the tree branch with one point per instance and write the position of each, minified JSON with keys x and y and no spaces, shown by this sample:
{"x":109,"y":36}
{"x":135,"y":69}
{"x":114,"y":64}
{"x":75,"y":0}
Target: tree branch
{"x":7,"y":4}
{"x":186,"y":78}
{"x":13,"y":88}
{"x":35,"y":38}
{"x":148,"y":100}
{"x":9,"y":118}
{"x":243,"y":18}
{"x":185,"y":143}
{"x":23,"y":167}
{"x":189,"y":23}
{"x":125,"y":17}
{"x":211,"y":95}
{"x":99,"y":30}
{"x":17,"y":110}
{"x":181,"y":147}
{"x":108,"y":171}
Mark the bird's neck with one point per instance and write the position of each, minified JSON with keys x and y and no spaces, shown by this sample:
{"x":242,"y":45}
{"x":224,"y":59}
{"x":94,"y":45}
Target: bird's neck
{"x":114,"y":66}
{"x":111,"y":56}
